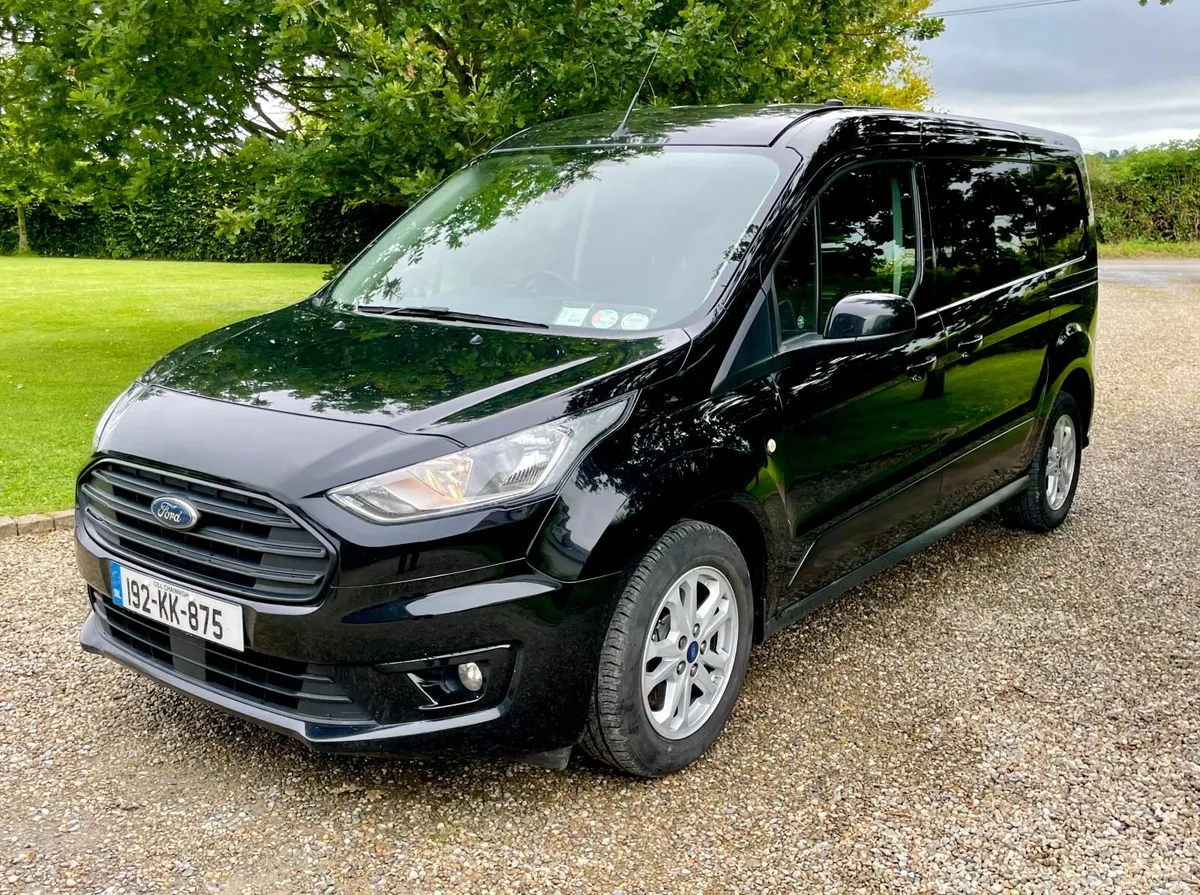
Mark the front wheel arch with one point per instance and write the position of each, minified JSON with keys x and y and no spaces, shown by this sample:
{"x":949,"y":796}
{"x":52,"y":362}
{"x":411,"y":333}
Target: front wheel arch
{"x":744,"y":528}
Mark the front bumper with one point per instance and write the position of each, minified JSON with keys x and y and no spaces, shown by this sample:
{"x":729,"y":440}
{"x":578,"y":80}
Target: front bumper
{"x":370,"y":646}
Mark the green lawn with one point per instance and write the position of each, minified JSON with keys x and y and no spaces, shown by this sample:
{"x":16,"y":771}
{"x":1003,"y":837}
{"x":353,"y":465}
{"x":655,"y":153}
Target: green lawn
{"x":1150,"y":250}
{"x":75,"y":332}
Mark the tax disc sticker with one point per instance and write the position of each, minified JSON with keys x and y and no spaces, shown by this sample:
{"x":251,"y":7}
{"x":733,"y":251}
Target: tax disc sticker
{"x":571,"y":316}
{"x":635,"y":321}
{"x":605,"y":319}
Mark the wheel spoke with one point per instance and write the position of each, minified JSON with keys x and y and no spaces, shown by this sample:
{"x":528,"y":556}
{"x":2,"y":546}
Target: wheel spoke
{"x":678,"y":625}
{"x":665,"y":649}
{"x":687,"y":597}
{"x":712,"y":584}
{"x":714,"y":659}
{"x":704,"y":683}
{"x":675,"y":608}
{"x":682,"y":702}
{"x":662,"y":672}
{"x":719,"y":618}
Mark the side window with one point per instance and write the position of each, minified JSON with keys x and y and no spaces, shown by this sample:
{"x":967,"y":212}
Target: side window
{"x":796,"y":282}
{"x":1061,"y":211}
{"x":984,"y":224}
{"x":860,"y":236}
{"x":868,"y":233}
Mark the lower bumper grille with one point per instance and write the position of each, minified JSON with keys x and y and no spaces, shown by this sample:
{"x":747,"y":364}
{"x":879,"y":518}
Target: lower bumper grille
{"x":298,"y":688}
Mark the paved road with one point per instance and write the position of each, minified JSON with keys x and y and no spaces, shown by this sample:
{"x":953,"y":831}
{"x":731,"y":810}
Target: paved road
{"x":1003,"y":713}
{"x":1152,"y":273}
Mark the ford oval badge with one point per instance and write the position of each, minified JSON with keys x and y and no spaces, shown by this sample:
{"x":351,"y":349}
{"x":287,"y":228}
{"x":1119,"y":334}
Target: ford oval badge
{"x":174,"y":512}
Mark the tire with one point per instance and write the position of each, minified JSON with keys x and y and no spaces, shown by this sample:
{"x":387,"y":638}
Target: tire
{"x":651,"y":731}
{"x":1035,"y":509}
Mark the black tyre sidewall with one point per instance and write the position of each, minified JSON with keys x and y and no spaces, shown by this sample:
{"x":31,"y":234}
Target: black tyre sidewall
{"x":708,"y":547}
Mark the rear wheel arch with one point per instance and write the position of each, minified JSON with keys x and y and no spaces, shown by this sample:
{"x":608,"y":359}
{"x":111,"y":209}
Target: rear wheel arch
{"x":1079,"y":384}
{"x":1049,"y":491}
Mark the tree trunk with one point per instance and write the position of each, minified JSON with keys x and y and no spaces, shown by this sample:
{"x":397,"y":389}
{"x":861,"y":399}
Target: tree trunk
{"x":22,"y":233}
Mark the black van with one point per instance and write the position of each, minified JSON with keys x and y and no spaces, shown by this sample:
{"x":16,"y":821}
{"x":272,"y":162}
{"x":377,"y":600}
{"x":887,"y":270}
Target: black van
{"x":596,"y":415}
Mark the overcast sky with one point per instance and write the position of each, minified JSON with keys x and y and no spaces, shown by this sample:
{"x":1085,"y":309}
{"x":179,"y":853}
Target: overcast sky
{"x":1109,"y":72}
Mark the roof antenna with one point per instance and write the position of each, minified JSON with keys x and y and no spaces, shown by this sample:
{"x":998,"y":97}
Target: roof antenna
{"x":622,"y":128}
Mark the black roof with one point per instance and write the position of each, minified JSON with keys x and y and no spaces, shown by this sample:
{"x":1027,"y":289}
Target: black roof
{"x":732,"y":125}
{"x":739,"y":125}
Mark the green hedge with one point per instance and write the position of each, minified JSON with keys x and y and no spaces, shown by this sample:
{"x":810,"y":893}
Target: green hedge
{"x":174,"y":217}
{"x":1150,"y":195}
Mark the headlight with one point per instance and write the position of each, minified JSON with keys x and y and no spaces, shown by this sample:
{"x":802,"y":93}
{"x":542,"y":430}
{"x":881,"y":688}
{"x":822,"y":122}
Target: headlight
{"x":493,"y":472}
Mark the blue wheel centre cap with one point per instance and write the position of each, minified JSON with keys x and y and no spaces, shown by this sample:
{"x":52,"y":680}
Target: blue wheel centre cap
{"x":693,"y":651}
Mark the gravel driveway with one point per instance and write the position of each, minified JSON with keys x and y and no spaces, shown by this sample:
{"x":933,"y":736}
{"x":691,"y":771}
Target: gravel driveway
{"x":1004,"y":712}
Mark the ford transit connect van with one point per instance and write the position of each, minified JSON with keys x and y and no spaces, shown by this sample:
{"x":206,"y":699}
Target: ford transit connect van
{"x":593,"y":418}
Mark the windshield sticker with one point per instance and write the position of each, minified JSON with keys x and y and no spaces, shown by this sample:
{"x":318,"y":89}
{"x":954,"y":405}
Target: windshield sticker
{"x":605,"y":319}
{"x":635,"y":321}
{"x":571,"y":317}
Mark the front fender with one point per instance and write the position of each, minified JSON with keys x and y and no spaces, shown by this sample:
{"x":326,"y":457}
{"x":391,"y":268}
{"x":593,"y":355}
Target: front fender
{"x":663,"y":468}
{"x":610,"y":542}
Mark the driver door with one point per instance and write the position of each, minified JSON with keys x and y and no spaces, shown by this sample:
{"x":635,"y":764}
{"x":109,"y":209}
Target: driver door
{"x":863,"y":421}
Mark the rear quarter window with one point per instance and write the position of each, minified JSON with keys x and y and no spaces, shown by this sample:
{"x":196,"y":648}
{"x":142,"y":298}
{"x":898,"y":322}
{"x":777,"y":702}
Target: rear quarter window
{"x":985,"y":226}
{"x":1061,"y":212}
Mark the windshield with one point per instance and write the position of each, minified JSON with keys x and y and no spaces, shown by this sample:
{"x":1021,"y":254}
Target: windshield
{"x":589,"y":239}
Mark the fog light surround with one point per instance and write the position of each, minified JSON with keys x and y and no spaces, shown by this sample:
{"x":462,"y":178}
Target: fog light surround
{"x":467,"y":681}
{"x":470,"y":676}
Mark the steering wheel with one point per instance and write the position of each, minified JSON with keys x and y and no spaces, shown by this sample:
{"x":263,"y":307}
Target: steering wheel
{"x":537,"y":279}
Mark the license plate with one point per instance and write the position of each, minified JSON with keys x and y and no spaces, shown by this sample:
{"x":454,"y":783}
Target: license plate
{"x":198,"y":614}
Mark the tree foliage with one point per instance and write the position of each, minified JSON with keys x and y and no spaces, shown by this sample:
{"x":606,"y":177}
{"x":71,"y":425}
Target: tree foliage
{"x":38,"y":153}
{"x":376,"y":100}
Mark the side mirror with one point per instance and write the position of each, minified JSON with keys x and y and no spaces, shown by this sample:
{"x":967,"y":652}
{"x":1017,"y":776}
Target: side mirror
{"x":871,"y":315}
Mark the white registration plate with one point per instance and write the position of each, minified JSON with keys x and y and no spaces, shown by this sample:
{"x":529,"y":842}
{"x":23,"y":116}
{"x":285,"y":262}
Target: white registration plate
{"x":198,"y":614}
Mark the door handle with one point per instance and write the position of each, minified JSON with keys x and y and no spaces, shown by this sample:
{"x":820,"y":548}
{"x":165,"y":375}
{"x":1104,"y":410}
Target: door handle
{"x":917,"y":372}
{"x":970,"y":345}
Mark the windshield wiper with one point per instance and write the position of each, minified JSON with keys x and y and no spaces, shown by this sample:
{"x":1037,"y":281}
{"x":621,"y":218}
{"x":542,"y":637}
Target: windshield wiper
{"x":445,"y":314}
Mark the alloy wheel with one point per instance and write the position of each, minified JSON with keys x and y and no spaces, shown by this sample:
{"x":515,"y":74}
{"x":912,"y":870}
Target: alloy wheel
{"x":689,"y":652}
{"x":1060,"y":462}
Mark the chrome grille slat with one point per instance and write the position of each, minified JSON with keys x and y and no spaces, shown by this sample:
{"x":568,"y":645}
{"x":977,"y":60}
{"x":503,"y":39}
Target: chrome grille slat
{"x":202,"y":502}
{"x":186,"y":575}
{"x":213,"y":533}
{"x":202,"y":557}
{"x":244,"y":544}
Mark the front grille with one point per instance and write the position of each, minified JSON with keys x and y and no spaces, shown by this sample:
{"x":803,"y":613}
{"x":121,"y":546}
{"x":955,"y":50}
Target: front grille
{"x":300,"y":689}
{"x":245,"y":544}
